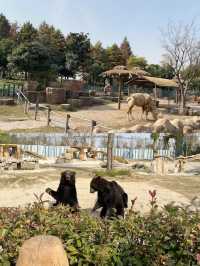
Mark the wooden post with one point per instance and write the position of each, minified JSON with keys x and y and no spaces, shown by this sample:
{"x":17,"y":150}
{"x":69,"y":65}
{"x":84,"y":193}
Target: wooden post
{"x":36,"y":108}
{"x":67,"y":123}
{"x":48,"y":115}
{"x":119,"y":94}
{"x":26,"y":107}
{"x":155,"y":92}
{"x":128,"y":90}
{"x":93,"y":125}
{"x":110,"y":151}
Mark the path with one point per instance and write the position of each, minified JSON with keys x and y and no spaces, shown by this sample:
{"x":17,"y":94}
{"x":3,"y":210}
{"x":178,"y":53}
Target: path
{"x":14,"y":196}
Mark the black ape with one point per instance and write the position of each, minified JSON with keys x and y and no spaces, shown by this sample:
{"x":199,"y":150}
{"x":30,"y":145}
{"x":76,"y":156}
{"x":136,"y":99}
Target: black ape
{"x":66,"y":192}
{"x":110,"y":196}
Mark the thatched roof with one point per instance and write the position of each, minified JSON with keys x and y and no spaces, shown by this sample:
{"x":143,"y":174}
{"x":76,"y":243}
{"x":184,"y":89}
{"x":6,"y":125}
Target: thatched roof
{"x":160,"y":82}
{"x":119,"y":71}
{"x":139,"y":72}
{"x":152,"y":81}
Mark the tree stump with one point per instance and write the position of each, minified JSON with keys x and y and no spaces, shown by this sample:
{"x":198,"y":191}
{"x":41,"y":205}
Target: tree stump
{"x":42,"y":251}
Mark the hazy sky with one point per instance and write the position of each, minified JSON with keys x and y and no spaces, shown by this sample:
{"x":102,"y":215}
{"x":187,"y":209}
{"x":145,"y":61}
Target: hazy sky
{"x":108,"y":21}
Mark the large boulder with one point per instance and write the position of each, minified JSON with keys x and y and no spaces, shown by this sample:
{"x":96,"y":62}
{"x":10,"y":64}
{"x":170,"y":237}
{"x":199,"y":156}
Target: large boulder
{"x":98,"y":130}
{"x":196,"y":120}
{"x":141,"y":129}
{"x":187,"y":130}
{"x":163,"y":125}
{"x":124,"y":130}
{"x":178,"y":124}
{"x":42,"y":251}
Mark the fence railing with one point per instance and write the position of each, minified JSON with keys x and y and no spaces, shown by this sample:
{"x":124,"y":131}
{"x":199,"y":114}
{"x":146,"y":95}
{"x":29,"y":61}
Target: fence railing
{"x":126,"y":153}
{"x":133,"y":146}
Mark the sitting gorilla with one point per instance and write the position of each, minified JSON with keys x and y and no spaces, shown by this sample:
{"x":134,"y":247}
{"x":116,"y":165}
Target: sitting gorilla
{"x":66,"y":192}
{"x":110,"y":196}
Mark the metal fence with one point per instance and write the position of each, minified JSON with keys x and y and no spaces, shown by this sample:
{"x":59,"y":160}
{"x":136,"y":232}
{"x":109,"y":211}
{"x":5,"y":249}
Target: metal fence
{"x":131,"y":146}
{"x":126,"y":153}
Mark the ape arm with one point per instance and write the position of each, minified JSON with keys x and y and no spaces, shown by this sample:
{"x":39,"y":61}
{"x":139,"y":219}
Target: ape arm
{"x":96,"y":206}
{"x":53,"y":193}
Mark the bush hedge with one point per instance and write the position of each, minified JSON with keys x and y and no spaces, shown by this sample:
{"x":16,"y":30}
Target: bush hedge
{"x":170,"y":236}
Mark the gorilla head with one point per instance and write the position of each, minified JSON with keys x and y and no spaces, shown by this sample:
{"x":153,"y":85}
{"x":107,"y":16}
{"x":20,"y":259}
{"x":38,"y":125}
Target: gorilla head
{"x":68,"y":178}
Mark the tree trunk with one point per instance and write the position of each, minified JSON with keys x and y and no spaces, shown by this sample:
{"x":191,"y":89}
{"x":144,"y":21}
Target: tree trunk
{"x":182,"y":101}
{"x":119,"y":94}
{"x":110,"y":151}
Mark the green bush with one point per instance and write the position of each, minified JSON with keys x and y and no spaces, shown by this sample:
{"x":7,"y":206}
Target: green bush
{"x":5,"y":138}
{"x":168,"y":237}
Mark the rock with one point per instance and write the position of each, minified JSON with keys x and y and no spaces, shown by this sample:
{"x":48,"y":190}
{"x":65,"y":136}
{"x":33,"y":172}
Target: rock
{"x":66,"y":106}
{"x":42,"y":250}
{"x":141,"y":167}
{"x":98,"y":130}
{"x":196,"y":120}
{"x":187,"y":129}
{"x":163,"y":125}
{"x":178,"y":124}
{"x":124,"y":130}
{"x":141,"y":129}
{"x":189,"y":122}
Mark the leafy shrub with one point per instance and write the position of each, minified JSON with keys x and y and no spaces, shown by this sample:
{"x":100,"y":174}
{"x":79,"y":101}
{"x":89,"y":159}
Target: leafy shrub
{"x":5,"y":138}
{"x":167,"y":237}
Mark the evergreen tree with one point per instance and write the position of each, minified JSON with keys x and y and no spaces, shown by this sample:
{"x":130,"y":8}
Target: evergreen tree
{"x":27,"y":33}
{"x":14,"y":31}
{"x":6,"y":46}
{"x":115,"y":56}
{"x":126,"y":49}
{"x":137,"y":61}
{"x":99,"y":62}
{"x":4,"y":27}
{"x":30,"y":58}
{"x":54,"y":42}
{"x":78,"y":53}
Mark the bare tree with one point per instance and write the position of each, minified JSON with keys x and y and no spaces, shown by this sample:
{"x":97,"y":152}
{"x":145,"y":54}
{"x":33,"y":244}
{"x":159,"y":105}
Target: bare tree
{"x":183,"y":54}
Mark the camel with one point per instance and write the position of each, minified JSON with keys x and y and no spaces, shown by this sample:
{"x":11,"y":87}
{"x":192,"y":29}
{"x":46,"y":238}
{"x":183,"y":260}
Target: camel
{"x":143,"y":100}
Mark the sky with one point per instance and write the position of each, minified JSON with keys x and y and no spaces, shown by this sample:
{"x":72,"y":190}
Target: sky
{"x":109,"y":21}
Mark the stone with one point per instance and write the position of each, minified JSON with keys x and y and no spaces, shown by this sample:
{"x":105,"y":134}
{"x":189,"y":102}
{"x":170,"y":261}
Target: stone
{"x":66,"y":106}
{"x":42,"y":250}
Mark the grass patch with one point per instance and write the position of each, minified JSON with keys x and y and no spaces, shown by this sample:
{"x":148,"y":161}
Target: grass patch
{"x":114,"y":172}
{"x":5,"y":138}
{"x":12,"y":111}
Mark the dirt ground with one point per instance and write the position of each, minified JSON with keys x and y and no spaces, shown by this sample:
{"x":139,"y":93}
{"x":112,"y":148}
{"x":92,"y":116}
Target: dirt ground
{"x":18,"y":187}
{"x":13,"y":117}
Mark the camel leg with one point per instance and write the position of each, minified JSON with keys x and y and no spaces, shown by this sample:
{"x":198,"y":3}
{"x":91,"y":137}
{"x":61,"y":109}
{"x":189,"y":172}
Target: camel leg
{"x":130,"y":115}
{"x":146,"y":113}
{"x":141,"y":115}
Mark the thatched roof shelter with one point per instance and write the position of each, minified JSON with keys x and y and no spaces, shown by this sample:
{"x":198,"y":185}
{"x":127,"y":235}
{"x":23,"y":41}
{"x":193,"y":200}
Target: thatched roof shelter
{"x":153,"y":81}
{"x":121,"y":73}
{"x":118,"y":71}
{"x":139,"y":72}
